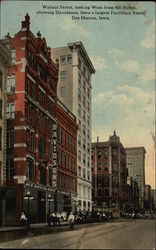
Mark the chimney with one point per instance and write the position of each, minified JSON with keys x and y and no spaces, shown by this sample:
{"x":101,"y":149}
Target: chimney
{"x":26,"y":23}
{"x":97,"y":138}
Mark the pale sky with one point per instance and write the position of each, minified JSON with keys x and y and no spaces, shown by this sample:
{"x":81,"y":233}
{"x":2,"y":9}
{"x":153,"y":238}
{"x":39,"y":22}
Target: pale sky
{"x":122,"y":51}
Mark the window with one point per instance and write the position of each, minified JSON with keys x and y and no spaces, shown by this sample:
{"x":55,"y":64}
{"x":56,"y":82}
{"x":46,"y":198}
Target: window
{"x":84,"y":159}
{"x":10,"y":138}
{"x":63,"y":91}
{"x":52,"y":83}
{"x":84,"y":173}
{"x":106,"y":166}
{"x":1,"y":80}
{"x":65,"y":161}
{"x":99,"y":166}
{"x":10,"y":110}
{"x":27,"y":138}
{"x":42,"y":73}
{"x":0,"y":108}
{"x":61,"y":158}
{"x":68,"y":162}
{"x":11,"y":84}
{"x":29,"y":169}
{"x":69,"y":59}
{"x":32,"y":141}
{"x":13,"y":56}
{"x":79,"y":140}
{"x":79,"y":155}
{"x":88,"y":175}
{"x":63,"y":75}
{"x":50,"y":176}
{"x":32,"y":117}
{"x":99,"y":154}
{"x":10,"y":168}
{"x":62,"y":136}
{"x":42,"y":174}
{"x":106,"y":153}
{"x":41,"y":147}
{"x":63,"y":59}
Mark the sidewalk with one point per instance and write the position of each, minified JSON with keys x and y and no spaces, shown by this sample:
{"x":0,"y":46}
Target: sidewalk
{"x":8,"y":233}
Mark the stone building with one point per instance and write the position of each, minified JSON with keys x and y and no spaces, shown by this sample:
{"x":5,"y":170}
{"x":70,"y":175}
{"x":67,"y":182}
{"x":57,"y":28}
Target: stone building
{"x":136,"y":169}
{"x":74,"y":90}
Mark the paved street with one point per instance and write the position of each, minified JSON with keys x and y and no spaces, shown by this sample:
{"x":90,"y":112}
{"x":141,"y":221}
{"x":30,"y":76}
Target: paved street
{"x":134,"y":234}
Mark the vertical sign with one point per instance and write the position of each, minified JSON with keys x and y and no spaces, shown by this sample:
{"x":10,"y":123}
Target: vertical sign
{"x":54,"y":157}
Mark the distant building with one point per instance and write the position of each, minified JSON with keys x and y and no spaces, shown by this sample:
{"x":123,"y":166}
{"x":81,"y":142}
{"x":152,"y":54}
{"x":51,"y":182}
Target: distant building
{"x":153,"y":199}
{"x":136,"y":169}
{"x":67,"y":159}
{"x":109,"y":173}
{"x":5,"y":60}
{"x":74,"y":90}
{"x":132,"y":195}
{"x":147,"y":200}
{"x":31,"y":127}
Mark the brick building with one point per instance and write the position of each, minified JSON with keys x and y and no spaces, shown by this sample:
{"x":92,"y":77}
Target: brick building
{"x":5,"y":60}
{"x":31,"y":126}
{"x":109,"y":173}
{"x":67,"y":158}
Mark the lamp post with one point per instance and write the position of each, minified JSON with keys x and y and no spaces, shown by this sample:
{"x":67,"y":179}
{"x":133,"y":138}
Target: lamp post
{"x":28,"y":197}
{"x":49,"y":200}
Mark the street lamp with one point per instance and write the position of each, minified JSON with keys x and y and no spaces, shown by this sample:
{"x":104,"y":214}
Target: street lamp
{"x":49,"y":200}
{"x":28,"y":197}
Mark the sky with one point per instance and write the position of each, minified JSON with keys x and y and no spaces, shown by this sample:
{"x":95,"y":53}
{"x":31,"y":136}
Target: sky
{"x":122,"y":50}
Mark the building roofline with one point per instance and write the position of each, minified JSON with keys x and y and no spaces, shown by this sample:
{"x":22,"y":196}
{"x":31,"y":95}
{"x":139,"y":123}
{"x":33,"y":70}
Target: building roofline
{"x":131,"y":148}
{"x":84,"y":52}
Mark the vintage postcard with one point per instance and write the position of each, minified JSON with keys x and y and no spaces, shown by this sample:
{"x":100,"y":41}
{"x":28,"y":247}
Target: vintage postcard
{"x":77,"y":124}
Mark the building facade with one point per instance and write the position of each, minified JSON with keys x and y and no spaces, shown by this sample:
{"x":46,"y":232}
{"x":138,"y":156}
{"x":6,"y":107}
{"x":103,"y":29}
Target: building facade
{"x":67,"y":159}
{"x":136,"y":169}
{"x":148,"y":198}
{"x":109,"y":173}
{"x":31,"y":126}
{"x":74,"y":90}
{"x":5,"y":59}
{"x":132,"y":195}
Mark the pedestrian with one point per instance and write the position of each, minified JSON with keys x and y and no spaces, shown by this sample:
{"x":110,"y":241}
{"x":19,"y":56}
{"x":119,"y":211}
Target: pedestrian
{"x":71,"y":220}
{"x":23,"y":219}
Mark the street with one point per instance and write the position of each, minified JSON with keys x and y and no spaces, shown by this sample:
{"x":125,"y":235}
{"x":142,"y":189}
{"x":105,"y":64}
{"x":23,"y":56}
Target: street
{"x":132,"y":234}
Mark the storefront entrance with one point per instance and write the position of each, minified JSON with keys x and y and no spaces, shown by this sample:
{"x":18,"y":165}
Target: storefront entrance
{"x":41,"y":207}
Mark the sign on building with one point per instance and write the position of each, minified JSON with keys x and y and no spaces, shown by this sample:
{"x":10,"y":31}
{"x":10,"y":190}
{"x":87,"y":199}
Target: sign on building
{"x":54,"y":157}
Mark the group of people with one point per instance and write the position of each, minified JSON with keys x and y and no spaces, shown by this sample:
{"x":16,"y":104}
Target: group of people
{"x":71,"y":220}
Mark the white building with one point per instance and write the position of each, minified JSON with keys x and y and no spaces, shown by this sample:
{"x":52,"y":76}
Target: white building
{"x":136,"y":169}
{"x":74,"y":90}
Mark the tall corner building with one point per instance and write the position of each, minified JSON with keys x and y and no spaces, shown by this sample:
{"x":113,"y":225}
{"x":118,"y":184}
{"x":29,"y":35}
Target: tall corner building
{"x":136,"y":169}
{"x":74,"y":90}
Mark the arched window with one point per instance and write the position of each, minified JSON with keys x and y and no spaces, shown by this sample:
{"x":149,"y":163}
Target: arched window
{"x":29,"y":169}
{"x":41,"y":147}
